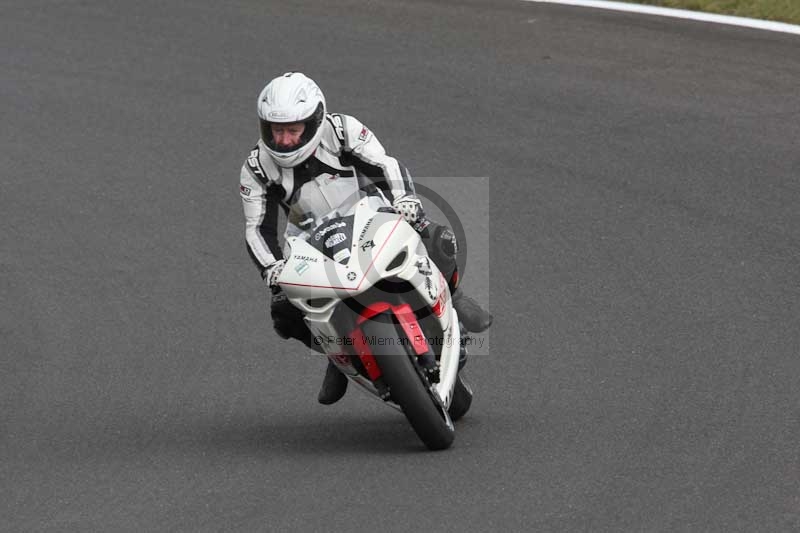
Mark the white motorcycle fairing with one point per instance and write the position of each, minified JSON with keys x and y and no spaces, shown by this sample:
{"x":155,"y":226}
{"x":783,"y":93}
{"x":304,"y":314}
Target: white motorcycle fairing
{"x":342,"y":260}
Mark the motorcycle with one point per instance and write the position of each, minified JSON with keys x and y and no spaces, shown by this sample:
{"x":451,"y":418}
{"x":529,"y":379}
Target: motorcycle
{"x":375,"y":303}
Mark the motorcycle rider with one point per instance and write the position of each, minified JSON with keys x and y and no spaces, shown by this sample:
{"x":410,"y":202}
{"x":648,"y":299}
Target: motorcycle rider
{"x":299,"y":141}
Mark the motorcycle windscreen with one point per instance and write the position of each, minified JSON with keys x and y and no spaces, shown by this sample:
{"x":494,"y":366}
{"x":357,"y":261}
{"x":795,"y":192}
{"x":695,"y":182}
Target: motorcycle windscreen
{"x":319,"y":201}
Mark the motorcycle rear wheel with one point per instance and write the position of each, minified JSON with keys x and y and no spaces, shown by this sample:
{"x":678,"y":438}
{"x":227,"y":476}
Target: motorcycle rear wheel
{"x":408,"y":387}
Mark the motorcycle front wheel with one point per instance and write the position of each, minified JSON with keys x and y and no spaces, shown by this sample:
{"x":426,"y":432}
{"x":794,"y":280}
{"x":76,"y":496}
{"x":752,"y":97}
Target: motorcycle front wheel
{"x":408,"y":386}
{"x":462,"y":399}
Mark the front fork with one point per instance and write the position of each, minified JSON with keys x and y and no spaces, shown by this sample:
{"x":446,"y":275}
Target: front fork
{"x":412,"y":334}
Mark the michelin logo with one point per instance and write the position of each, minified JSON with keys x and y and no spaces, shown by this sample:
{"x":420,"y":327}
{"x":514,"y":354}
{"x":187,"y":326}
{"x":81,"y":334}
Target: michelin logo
{"x":336,"y":238}
{"x":321,"y":233}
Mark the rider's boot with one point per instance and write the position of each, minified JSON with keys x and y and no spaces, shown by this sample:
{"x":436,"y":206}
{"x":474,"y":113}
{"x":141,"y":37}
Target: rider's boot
{"x":475,"y":318}
{"x":333,"y":386}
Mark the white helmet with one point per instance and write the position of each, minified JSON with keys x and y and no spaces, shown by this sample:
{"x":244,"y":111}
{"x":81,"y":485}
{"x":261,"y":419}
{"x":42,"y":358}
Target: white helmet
{"x":292,"y":97}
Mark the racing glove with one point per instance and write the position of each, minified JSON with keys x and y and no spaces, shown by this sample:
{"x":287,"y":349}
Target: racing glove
{"x":271,"y":274}
{"x":410,"y":208}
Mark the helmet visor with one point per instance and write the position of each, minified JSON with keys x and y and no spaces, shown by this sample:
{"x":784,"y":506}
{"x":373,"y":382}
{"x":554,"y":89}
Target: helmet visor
{"x":311,"y":125}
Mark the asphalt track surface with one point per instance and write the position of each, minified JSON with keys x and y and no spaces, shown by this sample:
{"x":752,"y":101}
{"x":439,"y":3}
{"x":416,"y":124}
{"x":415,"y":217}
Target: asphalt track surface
{"x":644,"y":239}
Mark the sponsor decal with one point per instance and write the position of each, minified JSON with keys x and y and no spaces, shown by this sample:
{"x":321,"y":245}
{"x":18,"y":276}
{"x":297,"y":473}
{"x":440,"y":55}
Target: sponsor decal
{"x":429,"y":287}
{"x":338,"y":126}
{"x":321,"y":233}
{"x":278,"y":115}
{"x":440,"y":305}
{"x":301,"y":268}
{"x":244,"y":190}
{"x":333,"y":240}
{"x":333,"y":176}
{"x":421,"y":225}
{"x":449,"y":236}
{"x":255,"y":164}
{"x":424,"y":267}
{"x":341,"y":255}
{"x":351,"y":276}
{"x":363,"y":135}
{"x":367,"y":245}
{"x":305,"y":258}
{"x":341,"y":358}
{"x":366,"y":227}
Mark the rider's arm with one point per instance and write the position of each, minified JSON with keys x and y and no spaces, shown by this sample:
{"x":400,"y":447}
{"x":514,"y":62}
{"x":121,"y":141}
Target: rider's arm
{"x":370,"y":159}
{"x":261,"y":203}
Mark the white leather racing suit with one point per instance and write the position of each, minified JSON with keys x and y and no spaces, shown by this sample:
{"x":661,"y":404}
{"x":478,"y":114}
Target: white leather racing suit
{"x":347,"y":149}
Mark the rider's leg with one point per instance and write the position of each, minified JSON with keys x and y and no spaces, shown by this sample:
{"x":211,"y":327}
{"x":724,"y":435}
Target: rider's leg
{"x":289,"y":324}
{"x":440,"y":241}
{"x":333,"y":386}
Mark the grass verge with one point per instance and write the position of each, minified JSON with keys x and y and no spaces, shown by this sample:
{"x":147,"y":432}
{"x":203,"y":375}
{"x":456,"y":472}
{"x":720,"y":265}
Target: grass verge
{"x":778,"y":10}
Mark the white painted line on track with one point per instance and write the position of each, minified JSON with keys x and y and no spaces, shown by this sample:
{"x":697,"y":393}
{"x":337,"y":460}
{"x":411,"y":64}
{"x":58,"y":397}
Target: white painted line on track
{"x":679,"y":13}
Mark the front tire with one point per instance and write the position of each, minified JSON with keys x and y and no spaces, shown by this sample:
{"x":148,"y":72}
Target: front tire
{"x":409,"y":388}
{"x":462,"y":399}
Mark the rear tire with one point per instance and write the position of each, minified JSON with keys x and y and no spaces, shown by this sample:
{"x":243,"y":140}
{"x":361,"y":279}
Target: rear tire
{"x":408,"y":388}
